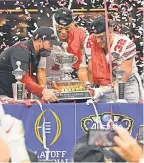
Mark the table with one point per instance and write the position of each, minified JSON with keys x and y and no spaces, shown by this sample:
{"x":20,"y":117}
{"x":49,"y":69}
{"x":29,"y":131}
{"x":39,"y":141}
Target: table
{"x":53,"y":131}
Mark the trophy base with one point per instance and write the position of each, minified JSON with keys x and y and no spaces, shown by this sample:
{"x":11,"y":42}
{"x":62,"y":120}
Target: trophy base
{"x":120,"y":93}
{"x":121,"y":101}
{"x":18,"y":91}
{"x":74,"y":95}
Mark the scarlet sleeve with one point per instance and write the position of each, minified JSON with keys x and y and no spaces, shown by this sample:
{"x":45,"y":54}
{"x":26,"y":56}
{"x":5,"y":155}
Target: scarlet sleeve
{"x":32,"y":86}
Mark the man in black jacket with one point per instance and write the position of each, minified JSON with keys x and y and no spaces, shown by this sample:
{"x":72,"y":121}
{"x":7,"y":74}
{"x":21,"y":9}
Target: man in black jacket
{"x":29,"y":54}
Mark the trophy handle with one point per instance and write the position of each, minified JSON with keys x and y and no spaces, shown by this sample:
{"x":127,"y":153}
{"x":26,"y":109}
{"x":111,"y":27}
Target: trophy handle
{"x":56,"y":60}
{"x":75,"y":59}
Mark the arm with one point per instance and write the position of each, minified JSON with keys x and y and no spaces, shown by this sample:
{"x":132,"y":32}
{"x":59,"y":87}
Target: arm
{"x":127,"y":147}
{"x":82,"y":74}
{"x":41,"y":76}
{"x":90,"y":75}
{"x":127,"y":66}
{"x":21,"y":54}
{"x":41,"y":72}
{"x":32,"y":86}
{"x":41,"y":92}
{"x":128,"y":57}
{"x":46,"y":95}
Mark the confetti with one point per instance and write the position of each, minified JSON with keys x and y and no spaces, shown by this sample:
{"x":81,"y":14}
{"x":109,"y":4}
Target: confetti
{"x":128,"y":19}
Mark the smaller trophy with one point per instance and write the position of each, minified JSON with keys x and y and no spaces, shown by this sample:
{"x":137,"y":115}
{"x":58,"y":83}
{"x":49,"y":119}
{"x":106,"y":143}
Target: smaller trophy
{"x":18,"y":87}
{"x":120,"y":86}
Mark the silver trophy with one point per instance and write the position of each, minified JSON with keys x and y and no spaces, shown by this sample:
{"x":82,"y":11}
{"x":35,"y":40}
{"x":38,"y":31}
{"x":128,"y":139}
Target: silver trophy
{"x":70,"y":88}
{"x":120,"y":86}
{"x":66,"y":60}
{"x":18,"y":87}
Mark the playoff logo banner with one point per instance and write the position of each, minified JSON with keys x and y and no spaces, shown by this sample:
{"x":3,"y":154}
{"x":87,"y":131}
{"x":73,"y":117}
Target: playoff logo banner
{"x":52,"y":132}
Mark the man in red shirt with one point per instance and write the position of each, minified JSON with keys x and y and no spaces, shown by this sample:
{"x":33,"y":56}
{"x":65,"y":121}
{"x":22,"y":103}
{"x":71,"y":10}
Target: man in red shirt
{"x":72,"y":36}
{"x":99,"y":59}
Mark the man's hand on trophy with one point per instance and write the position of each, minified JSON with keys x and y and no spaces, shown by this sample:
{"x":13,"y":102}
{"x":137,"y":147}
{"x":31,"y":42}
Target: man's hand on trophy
{"x":49,"y":95}
{"x":54,"y":86}
{"x":98,"y":92}
{"x":89,"y":88}
{"x":101,"y":91}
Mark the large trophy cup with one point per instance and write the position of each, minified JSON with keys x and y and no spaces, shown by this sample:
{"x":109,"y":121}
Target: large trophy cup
{"x":120,"y":85}
{"x":18,"y":87}
{"x":70,"y":89}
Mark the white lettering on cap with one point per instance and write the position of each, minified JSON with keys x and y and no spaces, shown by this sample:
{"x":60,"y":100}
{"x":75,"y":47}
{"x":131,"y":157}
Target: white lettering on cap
{"x":64,"y":12}
{"x":93,"y":29}
{"x":44,"y":36}
{"x":62,"y":22}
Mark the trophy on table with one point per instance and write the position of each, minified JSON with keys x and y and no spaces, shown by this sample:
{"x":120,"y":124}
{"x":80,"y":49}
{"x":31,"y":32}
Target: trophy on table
{"x":18,"y":87}
{"x":70,"y":89}
{"x":120,"y":86}
{"x":66,"y":60}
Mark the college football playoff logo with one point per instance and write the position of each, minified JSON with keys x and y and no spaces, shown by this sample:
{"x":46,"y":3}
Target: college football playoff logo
{"x":45,"y":133}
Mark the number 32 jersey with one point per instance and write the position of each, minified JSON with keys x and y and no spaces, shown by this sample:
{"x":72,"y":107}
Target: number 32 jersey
{"x":122,"y":45}
{"x":126,"y":48}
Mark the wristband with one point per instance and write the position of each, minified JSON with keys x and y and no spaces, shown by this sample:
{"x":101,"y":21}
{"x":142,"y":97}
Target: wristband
{"x":87,"y":83}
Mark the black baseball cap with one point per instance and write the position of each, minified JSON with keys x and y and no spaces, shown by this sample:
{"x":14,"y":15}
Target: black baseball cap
{"x":63,"y":16}
{"x":46,"y":33}
{"x":98,"y":25}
